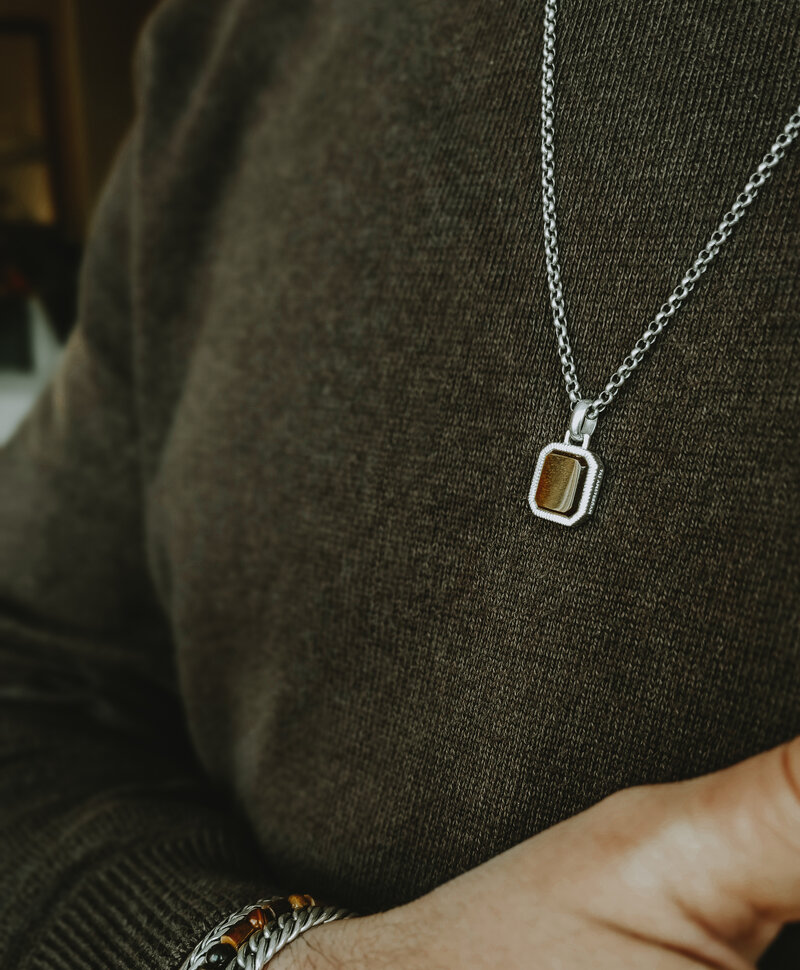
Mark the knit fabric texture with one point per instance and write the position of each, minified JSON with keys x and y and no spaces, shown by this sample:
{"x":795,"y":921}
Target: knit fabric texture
{"x":274,"y":612}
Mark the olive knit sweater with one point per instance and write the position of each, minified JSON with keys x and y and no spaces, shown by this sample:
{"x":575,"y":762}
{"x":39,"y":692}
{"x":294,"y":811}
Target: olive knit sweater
{"x":274,"y":612}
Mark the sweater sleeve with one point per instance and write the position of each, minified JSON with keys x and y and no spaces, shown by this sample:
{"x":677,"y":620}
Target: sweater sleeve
{"x":115,"y":850}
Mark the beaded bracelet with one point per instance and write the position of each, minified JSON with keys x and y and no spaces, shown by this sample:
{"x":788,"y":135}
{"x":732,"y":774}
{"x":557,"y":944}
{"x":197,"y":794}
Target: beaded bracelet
{"x":253,"y":936}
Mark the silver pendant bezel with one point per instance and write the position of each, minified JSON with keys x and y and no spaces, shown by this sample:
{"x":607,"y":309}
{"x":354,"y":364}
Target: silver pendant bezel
{"x":590,"y":487}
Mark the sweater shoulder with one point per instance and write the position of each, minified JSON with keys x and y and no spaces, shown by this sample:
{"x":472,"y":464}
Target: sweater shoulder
{"x":193,"y":55}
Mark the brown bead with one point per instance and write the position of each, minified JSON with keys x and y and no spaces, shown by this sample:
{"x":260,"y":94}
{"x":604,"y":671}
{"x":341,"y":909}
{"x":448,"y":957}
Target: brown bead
{"x":299,"y":901}
{"x":259,"y":919}
{"x":280,"y":906}
{"x":239,"y":932}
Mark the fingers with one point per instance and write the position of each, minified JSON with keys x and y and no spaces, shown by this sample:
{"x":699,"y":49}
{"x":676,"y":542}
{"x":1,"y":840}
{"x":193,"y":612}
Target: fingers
{"x":745,"y":839}
{"x":721,"y":853}
{"x":708,"y":868}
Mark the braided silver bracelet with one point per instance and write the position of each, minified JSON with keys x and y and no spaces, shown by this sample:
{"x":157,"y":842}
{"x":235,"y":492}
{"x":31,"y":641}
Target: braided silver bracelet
{"x":249,"y":939}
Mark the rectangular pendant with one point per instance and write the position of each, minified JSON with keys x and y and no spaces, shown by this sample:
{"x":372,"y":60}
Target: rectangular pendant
{"x":565,"y":483}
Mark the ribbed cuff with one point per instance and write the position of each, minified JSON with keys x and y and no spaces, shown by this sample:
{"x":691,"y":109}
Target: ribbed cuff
{"x":143,"y":910}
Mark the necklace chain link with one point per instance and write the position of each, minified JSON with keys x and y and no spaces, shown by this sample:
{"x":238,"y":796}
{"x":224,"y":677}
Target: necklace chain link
{"x":693,"y":274}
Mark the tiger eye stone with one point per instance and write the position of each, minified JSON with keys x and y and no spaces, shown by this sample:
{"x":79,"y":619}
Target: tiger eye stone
{"x":300,"y":900}
{"x":558,"y":482}
{"x":280,"y":906}
{"x":239,"y":932}
{"x":258,"y":918}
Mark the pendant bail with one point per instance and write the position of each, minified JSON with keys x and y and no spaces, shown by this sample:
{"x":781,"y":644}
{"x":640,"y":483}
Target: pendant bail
{"x":581,"y":425}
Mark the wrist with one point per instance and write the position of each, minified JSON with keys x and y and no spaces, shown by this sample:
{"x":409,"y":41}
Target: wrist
{"x":323,"y":946}
{"x":362,"y":943}
{"x":381,"y":939}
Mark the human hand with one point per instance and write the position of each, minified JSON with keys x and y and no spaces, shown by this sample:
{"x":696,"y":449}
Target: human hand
{"x":682,"y":876}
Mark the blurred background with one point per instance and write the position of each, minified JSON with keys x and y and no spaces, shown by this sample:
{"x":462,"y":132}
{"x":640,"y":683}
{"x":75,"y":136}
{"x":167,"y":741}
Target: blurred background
{"x":66,"y":101}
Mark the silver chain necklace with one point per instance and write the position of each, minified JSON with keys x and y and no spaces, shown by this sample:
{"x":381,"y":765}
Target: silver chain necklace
{"x":567,"y":477}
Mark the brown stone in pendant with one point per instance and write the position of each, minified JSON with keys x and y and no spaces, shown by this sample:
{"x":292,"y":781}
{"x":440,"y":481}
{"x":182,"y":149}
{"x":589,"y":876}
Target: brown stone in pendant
{"x":559,"y":482}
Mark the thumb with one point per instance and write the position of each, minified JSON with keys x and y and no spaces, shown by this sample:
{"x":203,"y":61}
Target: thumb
{"x":746,"y":880}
